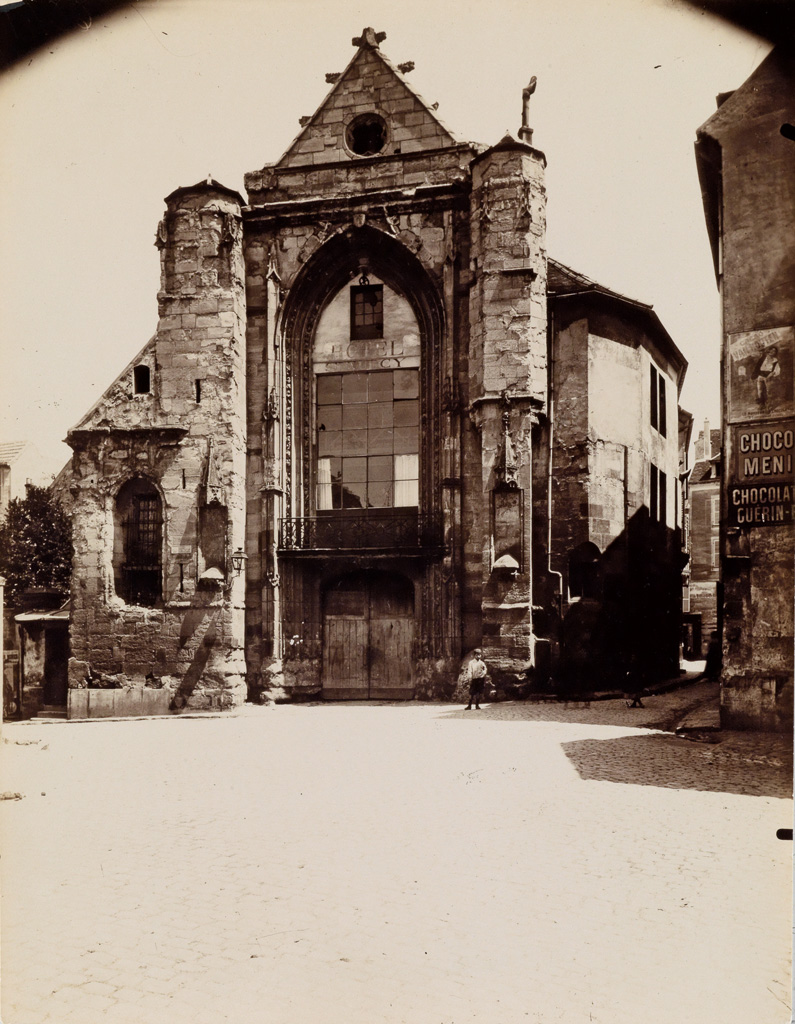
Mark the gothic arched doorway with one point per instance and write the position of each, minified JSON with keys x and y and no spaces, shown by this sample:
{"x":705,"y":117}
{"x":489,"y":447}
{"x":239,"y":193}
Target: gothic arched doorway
{"x":368,"y":637}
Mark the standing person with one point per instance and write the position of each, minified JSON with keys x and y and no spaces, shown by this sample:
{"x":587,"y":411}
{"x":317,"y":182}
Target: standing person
{"x":476,"y":672}
{"x":634,"y":682}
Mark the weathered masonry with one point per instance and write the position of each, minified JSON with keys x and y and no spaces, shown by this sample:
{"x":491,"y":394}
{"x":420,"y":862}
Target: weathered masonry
{"x":746,"y":163}
{"x":330,"y":472}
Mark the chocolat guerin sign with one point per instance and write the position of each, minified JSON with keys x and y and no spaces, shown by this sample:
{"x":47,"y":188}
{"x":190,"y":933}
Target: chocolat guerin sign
{"x":762,"y":483}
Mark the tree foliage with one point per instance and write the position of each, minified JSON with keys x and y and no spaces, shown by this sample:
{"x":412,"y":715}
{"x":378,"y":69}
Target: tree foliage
{"x":35,"y":544}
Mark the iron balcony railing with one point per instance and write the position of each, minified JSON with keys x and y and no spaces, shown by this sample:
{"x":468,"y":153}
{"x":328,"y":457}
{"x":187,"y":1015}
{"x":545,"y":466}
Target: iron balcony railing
{"x":394,"y":530}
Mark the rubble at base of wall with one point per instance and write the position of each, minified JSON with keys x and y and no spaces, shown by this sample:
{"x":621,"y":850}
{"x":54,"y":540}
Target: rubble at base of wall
{"x":94,"y":694}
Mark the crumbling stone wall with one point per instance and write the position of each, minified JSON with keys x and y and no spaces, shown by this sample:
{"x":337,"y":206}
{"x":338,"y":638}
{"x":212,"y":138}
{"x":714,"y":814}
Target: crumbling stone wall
{"x":187,"y":438}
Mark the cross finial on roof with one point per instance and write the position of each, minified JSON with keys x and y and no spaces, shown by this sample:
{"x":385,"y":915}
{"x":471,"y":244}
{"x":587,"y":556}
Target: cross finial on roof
{"x":526,"y":132}
{"x":369,"y":39}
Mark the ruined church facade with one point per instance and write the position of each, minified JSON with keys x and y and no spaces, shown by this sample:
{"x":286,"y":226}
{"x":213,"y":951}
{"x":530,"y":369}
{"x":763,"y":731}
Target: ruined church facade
{"x":328,"y":472}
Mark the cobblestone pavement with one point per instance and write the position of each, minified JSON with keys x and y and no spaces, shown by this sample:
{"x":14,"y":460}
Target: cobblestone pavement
{"x":396,"y":864}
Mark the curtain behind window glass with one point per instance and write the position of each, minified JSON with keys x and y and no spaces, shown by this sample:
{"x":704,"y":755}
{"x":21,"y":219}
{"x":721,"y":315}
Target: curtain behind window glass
{"x":324,"y":483}
{"x":406,"y":480}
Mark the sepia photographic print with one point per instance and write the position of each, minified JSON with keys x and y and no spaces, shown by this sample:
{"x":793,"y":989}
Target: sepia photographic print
{"x":396,"y":512}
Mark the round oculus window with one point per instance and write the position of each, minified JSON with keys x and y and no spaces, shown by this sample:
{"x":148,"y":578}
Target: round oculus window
{"x":366,"y":135}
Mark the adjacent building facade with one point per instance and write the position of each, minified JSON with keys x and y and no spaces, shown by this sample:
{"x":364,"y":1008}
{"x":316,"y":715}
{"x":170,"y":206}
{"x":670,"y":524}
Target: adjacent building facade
{"x":704,"y":493}
{"x":376,"y":428}
{"x":615,"y":515}
{"x":20,"y":464}
{"x":746,"y":163}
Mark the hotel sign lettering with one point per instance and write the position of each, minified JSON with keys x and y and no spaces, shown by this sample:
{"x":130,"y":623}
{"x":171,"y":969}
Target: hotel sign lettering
{"x":762,"y":482}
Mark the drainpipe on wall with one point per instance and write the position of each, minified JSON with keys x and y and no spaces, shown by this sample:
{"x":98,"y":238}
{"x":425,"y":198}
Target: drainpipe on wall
{"x":551,"y":424}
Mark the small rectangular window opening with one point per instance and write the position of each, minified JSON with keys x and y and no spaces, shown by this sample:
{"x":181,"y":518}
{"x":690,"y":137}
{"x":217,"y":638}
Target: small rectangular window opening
{"x":198,"y":391}
{"x":141,"y":379}
{"x":663,"y":417}
{"x":653,"y":396}
{"x":367,"y":311}
{"x":658,"y":412}
{"x":653,"y":491}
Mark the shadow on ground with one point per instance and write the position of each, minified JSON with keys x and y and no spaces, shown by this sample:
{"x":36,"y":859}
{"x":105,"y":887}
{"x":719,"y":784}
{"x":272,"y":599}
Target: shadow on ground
{"x":750,"y":765}
{"x":659,"y":711}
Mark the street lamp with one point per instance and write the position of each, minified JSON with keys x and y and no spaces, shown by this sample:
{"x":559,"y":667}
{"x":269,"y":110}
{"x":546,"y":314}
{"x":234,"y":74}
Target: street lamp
{"x":238,"y":561}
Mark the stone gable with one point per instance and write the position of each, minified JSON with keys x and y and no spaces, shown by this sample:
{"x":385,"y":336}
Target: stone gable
{"x":121,"y":407}
{"x":370,"y":85}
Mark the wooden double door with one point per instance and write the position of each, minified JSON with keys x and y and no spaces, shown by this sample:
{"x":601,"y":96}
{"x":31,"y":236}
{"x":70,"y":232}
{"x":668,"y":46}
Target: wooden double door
{"x":368,"y":637}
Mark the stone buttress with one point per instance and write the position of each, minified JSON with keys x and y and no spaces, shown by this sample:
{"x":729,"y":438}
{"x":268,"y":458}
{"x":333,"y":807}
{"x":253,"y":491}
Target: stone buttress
{"x":507,"y":392}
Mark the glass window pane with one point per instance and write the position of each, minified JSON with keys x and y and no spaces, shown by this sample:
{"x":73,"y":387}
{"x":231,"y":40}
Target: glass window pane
{"x":379,"y":467}
{"x":379,"y":494}
{"x":336,"y":495}
{"x":329,"y":417}
{"x":354,"y":495}
{"x":379,"y":414}
{"x":354,"y":417}
{"x":380,"y":384}
{"x":406,"y":384}
{"x":406,"y":485}
{"x":407,"y":414}
{"x":405,"y":440}
{"x":407,"y":467}
{"x":354,"y":388}
{"x":354,"y":442}
{"x":329,"y":442}
{"x":329,"y":389}
{"x":324,"y":484}
{"x":367,"y":311}
{"x":407,"y":493}
{"x":354,"y":470}
{"x":379,"y":442}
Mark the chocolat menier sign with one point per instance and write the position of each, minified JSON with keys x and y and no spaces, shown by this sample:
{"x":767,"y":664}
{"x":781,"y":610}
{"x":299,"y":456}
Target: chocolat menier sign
{"x":762,"y":480}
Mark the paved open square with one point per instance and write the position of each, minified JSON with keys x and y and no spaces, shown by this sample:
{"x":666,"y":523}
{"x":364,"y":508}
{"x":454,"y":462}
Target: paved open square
{"x":400,"y":864}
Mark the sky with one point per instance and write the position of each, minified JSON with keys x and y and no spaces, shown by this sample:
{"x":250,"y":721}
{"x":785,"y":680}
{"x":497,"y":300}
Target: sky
{"x":100,"y":126}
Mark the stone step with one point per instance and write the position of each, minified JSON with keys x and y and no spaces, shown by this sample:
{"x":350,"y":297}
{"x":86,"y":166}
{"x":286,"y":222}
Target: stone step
{"x":52,"y":711}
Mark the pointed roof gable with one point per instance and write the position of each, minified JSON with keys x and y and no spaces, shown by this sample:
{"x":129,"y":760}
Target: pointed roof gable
{"x":767,"y":88}
{"x":370,"y":87}
{"x":565,"y":283}
{"x":120,"y":410}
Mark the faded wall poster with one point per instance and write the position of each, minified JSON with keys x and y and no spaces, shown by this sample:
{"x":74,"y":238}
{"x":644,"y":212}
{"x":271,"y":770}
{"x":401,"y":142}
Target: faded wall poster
{"x":761,"y":374}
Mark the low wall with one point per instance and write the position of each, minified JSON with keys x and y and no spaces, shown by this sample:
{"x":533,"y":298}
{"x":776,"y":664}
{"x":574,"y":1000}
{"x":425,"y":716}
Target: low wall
{"x":121,"y":703}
